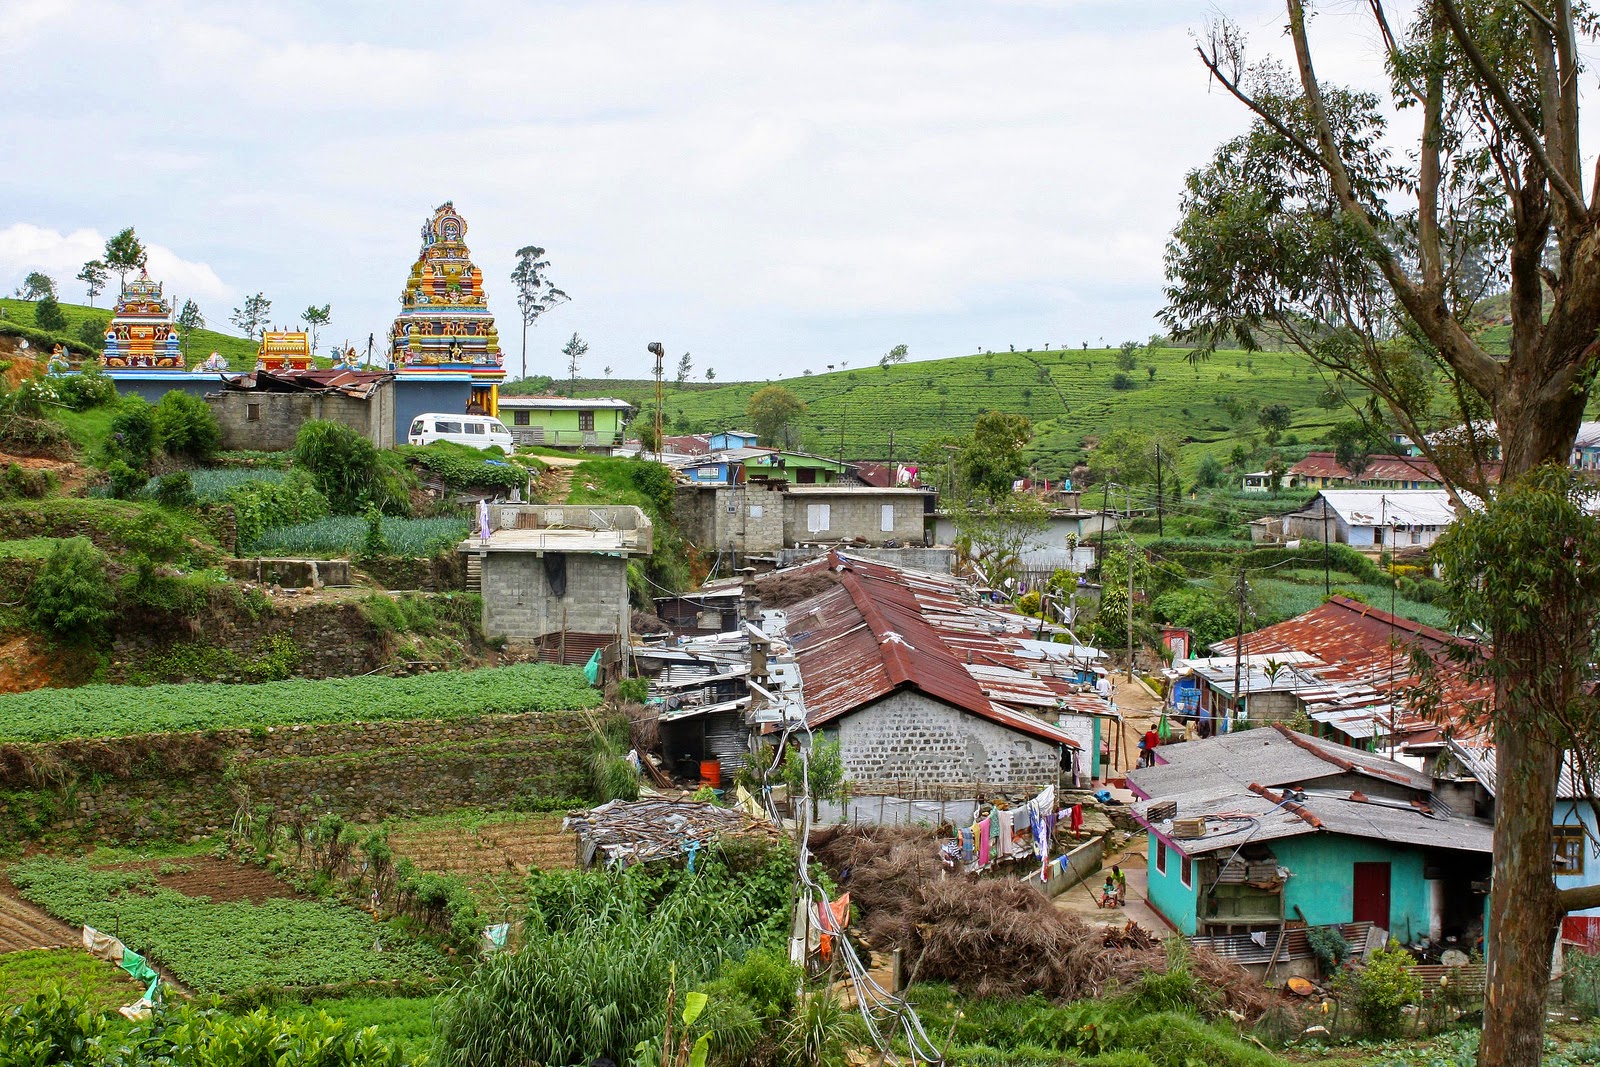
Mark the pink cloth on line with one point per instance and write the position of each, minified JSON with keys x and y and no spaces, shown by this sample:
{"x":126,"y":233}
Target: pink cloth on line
{"x":983,"y":841}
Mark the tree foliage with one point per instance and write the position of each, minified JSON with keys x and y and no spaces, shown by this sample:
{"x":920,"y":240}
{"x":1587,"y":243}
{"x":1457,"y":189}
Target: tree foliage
{"x":93,"y":277}
{"x":123,"y":253}
{"x":315,"y":319}
{"x":771,"y":411}
{"x":991,"y":460}
{"x":992,"y":533}
{"x":575,"y":349}
{"x":188,"y":321}
{"x":252,"y":315}
{"x":36,"y":286}
{"x":47,"y":314}
{"x":348,"y":470}
{"x":536,"y":293}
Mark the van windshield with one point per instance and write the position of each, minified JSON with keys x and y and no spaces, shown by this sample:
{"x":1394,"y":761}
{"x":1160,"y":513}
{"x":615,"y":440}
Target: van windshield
{"x":419,"y":425}
{"x":496,"y":426}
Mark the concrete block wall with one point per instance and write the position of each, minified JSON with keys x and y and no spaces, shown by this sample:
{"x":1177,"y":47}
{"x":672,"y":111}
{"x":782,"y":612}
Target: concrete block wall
{"x":280,"y":416}
{"x":519,"y":605}
{"x":911,"y":736}
{"x":854,"y":514}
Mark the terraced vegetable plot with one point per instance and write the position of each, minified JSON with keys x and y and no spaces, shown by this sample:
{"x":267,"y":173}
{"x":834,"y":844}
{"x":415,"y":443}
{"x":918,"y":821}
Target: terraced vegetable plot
{"x":492,"y":852}
{"x":78,"y":974}
{"x":115,"y":710}
{"x":220,"y":946}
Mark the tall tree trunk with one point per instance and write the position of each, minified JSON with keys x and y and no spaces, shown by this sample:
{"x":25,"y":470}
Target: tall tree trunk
{"x":1522,"y":897}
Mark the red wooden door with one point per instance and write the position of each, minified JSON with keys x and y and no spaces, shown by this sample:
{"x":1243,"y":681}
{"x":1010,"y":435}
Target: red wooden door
{"x":1371,"y":894}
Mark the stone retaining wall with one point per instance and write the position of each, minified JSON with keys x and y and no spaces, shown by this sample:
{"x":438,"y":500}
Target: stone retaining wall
{"x":174,"y":786}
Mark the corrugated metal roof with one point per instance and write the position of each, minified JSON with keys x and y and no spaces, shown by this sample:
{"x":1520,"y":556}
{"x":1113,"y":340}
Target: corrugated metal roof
{"x":882,"y":628}
{"x":1477,"y":756}
{"x":1238,"y":784}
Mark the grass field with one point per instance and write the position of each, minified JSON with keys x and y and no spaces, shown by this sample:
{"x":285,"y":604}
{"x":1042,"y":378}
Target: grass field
{"x":114,"y":710}
{"x":1068,"y":394}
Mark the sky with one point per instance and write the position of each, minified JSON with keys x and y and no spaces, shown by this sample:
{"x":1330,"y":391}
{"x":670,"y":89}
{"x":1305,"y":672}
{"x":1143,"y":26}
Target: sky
{"x":770,"y":186}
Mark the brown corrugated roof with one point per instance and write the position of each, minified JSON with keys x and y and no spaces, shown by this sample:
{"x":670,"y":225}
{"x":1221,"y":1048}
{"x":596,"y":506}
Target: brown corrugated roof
{"x":882,"y":629}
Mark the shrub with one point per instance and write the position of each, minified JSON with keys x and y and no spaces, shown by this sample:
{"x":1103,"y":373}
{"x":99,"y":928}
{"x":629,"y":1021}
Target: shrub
{"x":133,"y":433}
{"x":89,"y":388}
{"x":72,"y":597}
{"x":1580,"y":983}
{"x":185,"y":426}
{"x":1120,"y":381}
{"x":92,"y":333}
{"x":175,"y":490}
{"x":1383,"y":989}
{"x":261,"y":504}
{"x":125,"y":482}
{"x":348,"y":469}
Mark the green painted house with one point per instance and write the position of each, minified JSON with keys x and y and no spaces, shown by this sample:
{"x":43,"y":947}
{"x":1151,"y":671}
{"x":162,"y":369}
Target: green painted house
{"x":1259,"y":827}
{"x":564,"y":421}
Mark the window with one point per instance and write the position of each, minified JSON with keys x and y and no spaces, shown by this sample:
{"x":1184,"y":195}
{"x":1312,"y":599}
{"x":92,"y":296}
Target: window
{"x":446,"y":427}
{"x":476,"y":428}
{"x":252,"y":413}
{"x":586,"y":421}
{"x":1570,"y":844}
{"x":1161,"y":856}
{"x":519,"y":418}
{"x":755,"y":511}
{"x":818,"y":517}
{"x":418,"y":426}
{"x":886,"y":521}
{"x":1186,"y":873}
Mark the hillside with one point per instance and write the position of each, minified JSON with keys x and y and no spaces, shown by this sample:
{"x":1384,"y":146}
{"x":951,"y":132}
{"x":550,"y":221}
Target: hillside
{"x":240,"y":352}
{"x":1069,"y":395}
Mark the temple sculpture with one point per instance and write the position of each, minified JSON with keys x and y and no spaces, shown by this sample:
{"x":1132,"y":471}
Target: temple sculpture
{"x":444,"y":323}
{"x":141,"y":334}
{"x":284,"y":350}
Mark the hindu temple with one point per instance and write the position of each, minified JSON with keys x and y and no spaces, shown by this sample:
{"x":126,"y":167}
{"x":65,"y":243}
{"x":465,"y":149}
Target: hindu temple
{"x":141,"y":334}
{"x":444,"y":327}
{"x":284,"y":350}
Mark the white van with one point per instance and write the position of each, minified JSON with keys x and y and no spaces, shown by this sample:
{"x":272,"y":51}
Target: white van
{"x":479,"y":431}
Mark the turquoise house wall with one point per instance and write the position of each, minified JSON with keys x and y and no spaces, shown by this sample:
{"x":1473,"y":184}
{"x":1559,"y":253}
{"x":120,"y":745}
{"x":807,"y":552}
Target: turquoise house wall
{"x":1571,"y":813}
{"x":1322,"y":880}
{"x":1167,"y":892}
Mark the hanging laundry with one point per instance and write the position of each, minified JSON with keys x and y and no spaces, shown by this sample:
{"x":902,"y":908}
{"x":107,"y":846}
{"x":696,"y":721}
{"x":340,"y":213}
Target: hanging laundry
{"x":967,"y":848}
{"x":1002,"y":823}
{"x":984,"y":841}
{"x":1075,"y":819}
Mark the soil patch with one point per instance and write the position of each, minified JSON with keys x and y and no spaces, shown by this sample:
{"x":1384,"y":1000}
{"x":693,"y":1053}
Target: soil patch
{"x":491,"y":850}
{"x":24,"y":926}
{"x":223,"y":881}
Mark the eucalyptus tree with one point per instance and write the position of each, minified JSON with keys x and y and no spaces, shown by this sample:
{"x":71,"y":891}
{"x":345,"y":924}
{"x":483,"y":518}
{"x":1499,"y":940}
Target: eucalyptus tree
{"x":1314,"y":227}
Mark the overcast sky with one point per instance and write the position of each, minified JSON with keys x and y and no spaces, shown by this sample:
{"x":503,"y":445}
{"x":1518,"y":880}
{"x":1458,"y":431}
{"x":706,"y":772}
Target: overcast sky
{"x":770,"y":186}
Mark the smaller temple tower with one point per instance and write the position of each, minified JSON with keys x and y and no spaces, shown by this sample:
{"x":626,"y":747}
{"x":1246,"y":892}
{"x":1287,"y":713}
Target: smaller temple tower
{"x":141,"y":334}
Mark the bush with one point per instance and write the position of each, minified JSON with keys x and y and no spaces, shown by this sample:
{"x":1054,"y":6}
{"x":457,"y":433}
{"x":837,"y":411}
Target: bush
{"x":1120,"y":381}
{"x":133,"y":433}
{"x":175,"y":490}
{"x":259,"y":505}
{"x":1580,"y":983}
{"x":89,"y":388}
{"x":92,"y":333}
{"x":126,"y":483}
{"x":348,"y":470}
{"x":186,"y":427}
{"x":72,"y":596}
{"x":1383,"y":989}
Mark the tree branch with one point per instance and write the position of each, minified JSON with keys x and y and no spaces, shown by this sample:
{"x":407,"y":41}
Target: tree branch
{"x":1578,"y":898}
{"x":1519,"y":121}
{"x":1427,"y":309}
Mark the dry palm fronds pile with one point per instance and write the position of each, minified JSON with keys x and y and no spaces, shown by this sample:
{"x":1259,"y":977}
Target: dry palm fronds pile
{"x":992,"y":937}
{"x":784,"y":589}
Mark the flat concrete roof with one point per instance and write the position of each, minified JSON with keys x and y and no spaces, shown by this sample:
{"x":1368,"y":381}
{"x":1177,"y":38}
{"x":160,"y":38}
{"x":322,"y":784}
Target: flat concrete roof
{"x":595,"y":542}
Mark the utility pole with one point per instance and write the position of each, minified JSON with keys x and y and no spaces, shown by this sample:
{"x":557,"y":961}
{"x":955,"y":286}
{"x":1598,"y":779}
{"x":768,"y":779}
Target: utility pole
{"x":1161,"y":530}
{"x":1131,"y":547}
{"x":657,"y":349}
{"x":891,"y":448}
{"x":1100,"y":545}
{"x":1238,"y":641}
{"x":1327,"y":581}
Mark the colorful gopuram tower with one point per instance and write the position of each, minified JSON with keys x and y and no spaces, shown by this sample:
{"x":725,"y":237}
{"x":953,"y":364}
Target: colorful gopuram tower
{"x":141,"y":335}
{"x":444,"y":325}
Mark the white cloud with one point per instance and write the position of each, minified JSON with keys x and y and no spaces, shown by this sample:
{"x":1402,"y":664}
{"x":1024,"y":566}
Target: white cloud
{"x":25,"y":247}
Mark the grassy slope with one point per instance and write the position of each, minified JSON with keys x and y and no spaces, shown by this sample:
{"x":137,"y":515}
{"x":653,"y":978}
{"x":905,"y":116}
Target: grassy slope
{"x":239,"y":351}
{"x":1067,"y":394}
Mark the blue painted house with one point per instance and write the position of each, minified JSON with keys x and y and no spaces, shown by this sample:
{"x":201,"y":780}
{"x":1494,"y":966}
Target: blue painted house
{"x":1258,"y":827}
{"x":1577,"y":854}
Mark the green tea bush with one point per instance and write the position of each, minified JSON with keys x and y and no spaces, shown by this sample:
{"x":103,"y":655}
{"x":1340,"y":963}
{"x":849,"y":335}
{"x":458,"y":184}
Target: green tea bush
{"x":72,"y":597}
{"x":186,"y":427}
